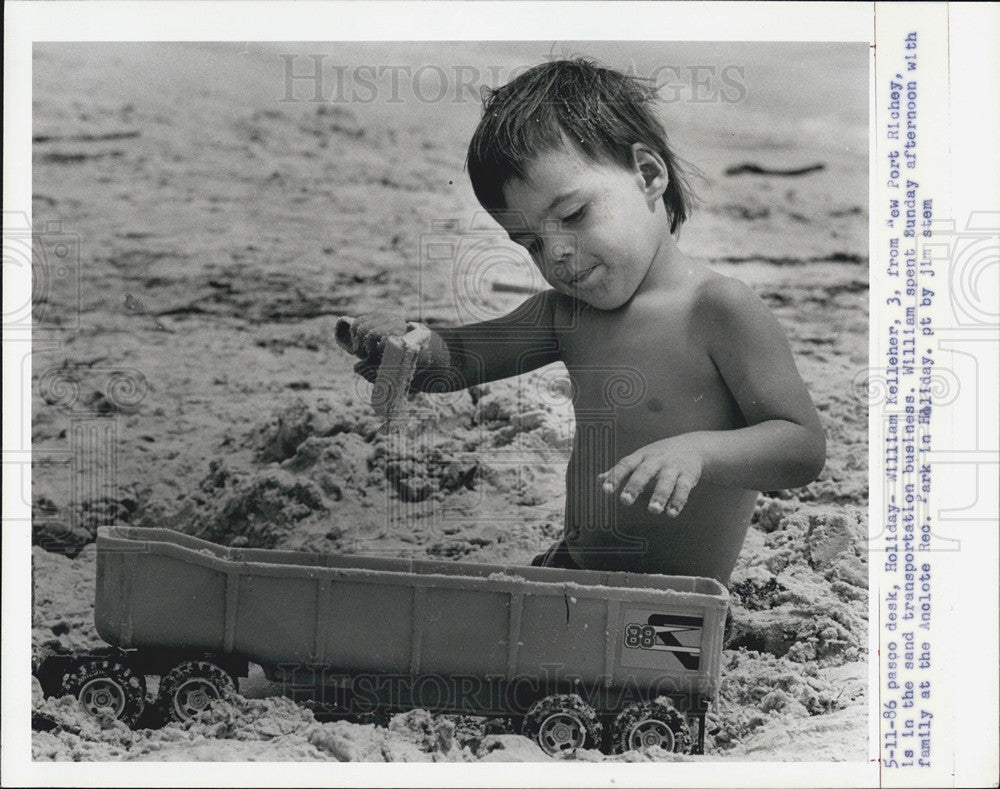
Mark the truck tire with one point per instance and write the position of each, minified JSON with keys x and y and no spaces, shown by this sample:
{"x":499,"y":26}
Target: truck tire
{"x":108,"y":687}
{"x":651,"y":723}
{"x":191,"y":687}
{"x":561,"y":724}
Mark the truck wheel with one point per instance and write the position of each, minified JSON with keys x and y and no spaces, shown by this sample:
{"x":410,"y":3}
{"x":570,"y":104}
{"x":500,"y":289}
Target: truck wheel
{"x":651,"y":723}
{"x":191,"y":687}
{"x":560,"y":724}
{"x":108,"y":687}
{"x":379,"y":718}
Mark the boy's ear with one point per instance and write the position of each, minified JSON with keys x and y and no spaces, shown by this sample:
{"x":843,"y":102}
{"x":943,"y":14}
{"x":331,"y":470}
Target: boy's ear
{"x":652,"y":169}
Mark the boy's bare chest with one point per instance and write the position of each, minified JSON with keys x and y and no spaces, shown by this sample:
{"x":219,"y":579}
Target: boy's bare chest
{"x":649,"y":370}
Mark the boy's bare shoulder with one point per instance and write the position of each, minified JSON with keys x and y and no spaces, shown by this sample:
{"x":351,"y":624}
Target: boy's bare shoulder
{"x":717,"y":291}
{"x":718,"y":297}
{"x":723,"y":308}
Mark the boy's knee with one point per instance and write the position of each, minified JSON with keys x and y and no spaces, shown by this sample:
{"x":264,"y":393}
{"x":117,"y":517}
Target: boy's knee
{"x":556,"y":556}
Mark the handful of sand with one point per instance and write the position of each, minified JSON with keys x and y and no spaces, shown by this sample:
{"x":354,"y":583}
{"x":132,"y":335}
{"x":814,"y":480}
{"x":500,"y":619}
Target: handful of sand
{"x":390,"y":394}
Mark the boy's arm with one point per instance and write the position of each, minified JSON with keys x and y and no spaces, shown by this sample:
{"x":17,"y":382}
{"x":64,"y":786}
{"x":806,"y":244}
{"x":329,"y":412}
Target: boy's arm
{"x":783,"y":444}
{"x":462,"y":356}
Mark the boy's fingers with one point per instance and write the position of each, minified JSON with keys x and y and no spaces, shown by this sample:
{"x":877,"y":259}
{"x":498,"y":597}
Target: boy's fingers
{"x":612,"y":478}
{"x":371,"y":343}
{"x":638,"y":481}
{"x":682,"y":489}
{"x":661,"y":493}
{"x":367,"y":370}
{"x":360,"y":329}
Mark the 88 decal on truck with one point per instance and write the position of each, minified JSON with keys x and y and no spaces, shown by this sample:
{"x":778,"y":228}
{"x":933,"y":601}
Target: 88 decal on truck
{"x":665,"y":640}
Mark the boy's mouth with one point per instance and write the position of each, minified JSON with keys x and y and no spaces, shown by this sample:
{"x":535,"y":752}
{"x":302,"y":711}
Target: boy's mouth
{"x":582,"y":277}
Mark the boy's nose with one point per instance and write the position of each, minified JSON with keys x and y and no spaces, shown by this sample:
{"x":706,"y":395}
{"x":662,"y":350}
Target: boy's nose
{"x":555,"y":252}
{"x":560,"y":250}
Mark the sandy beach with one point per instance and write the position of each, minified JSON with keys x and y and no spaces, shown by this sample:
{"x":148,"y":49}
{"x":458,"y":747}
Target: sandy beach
{"x":224,"y":221}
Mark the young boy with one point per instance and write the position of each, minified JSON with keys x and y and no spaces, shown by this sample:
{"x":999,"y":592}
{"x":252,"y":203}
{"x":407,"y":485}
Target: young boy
{"x":664,"y":482}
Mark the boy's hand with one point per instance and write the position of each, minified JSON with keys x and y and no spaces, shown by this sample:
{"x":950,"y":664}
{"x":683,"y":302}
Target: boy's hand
{"x":674,"y":463}
{"x":365,"y":337}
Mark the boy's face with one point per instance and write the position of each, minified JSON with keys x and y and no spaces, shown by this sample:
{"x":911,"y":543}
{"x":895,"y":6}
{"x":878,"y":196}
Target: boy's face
{"x":591,"y":228}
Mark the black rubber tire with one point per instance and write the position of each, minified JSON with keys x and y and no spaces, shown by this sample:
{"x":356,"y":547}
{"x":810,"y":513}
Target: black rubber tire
{"x":651,"y":723}
{"x":190,"y":688}
{"x":378,"y":717}
{"x":108,"y":687}
{"x":561,"y":724}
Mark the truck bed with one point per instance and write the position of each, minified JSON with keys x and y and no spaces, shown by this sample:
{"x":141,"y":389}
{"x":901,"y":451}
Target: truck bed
{"x":158,"y":588}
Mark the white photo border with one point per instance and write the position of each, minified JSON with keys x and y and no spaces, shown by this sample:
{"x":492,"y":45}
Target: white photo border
{"x":970,"y":172}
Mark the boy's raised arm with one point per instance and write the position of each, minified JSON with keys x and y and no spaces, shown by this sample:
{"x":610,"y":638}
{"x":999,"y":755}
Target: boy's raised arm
{"x":461,"y":356}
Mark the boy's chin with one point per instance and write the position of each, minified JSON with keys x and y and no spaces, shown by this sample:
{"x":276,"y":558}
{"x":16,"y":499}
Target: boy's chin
{"x":601,"y":301}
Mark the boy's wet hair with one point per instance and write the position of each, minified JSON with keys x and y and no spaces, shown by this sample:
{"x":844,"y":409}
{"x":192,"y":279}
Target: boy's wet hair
{"x":602,"y":113}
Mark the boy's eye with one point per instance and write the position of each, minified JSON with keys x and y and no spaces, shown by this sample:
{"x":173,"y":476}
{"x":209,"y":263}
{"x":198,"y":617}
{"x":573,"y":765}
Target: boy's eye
{"x":531,"y":243}
{"x":576,"y":216}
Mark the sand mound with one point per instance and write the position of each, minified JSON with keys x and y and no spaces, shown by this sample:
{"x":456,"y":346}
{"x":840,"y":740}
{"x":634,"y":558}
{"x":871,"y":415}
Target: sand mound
{"x":256,"y":511}
{"x":761,"y":691}
{"x":800,"y":586}
{"x":267,"y":729}
{"x":63,"y":599}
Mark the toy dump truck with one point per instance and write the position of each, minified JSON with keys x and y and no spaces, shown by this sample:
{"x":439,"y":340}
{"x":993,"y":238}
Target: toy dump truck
{"x":578,"y":658}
